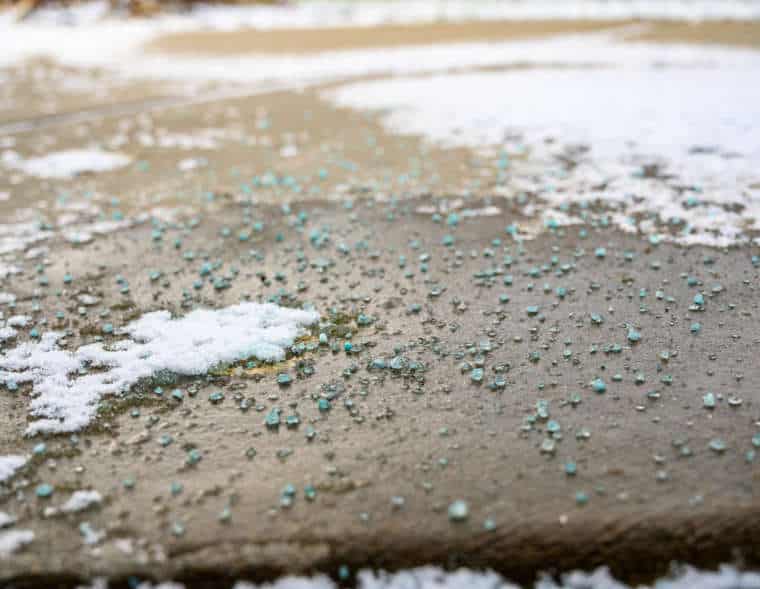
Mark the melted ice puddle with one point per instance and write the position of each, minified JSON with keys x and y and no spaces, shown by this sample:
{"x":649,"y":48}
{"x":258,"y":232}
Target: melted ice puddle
{"x":66,"y":396}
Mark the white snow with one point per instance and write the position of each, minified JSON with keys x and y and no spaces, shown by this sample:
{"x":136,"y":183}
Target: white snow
{"x":432,"y":578}
{"x":665,"y":111}
{"x":6,"y":333}
{"x":9,"y":465}
{"x":65,"y":400}
{"x":633,"y":104}
{"x":90,"y":535}
{"x":18,"y":321}
{"x":727,"y":577}
{"x":295,"y":70}
{"x":191,"y":163}
{"x":13,"y":540}
{"x":84,"y":233}
{"x":317,"y":582}
{"x":117,"y":45}
{"x":70,"y":163}
{"x":701,"y":123}
{"x":7,"y":269}
{"x":341,"y":13}
{"x":81,"y":500}
{"x":6,"y":520}
{"x":7,"y":327}
{"x":15,"y":237}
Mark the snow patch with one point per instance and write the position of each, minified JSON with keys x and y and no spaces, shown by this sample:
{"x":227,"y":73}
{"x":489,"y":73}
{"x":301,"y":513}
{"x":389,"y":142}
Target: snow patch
{"x":117,"y":45}
{"x":13,"y":541}
{"x":6,"y":520}
{"x":7,"y":327}
{"x":9,"y":465}
{"x":697,"y":125}
{"x":70,"y":163}
{"x":317,"y":582}
{"x":79,"y":501}
{"x":17,"y":237}
{"x":85,"y":233}
{"x":7,"y":333}
{"x":8,"y":269}
{"x":727,"y":577}
{"x":66,"y":395}
{"x":18,"y":321}
{"x":191,"y":163}
{"x":346,"y":13}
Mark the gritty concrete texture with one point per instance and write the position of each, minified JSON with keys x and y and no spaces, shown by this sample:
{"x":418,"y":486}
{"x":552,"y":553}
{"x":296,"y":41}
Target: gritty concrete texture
{"x":291,"y":41}
{"x":286,"y":41}
{"x":555,"y":385}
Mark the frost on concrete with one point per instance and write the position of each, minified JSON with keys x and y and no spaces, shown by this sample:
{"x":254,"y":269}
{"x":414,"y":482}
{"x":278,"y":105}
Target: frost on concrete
{"x":66,"y":392}
{"x":9,"y":465}
{"x":13,"y":540}
{"x":69,"y":163}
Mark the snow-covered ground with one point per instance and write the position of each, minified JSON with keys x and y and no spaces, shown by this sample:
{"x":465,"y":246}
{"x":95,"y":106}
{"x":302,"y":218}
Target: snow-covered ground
{"x":692,"y":110}
{"x":66,"y":394}
{"x":67,"y":163}
{"x":332,"y":13}
{"x":689,"y":109}
{"x":433,"y":578}
{"x":700,"y":122}
{"x":9,"y":465}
